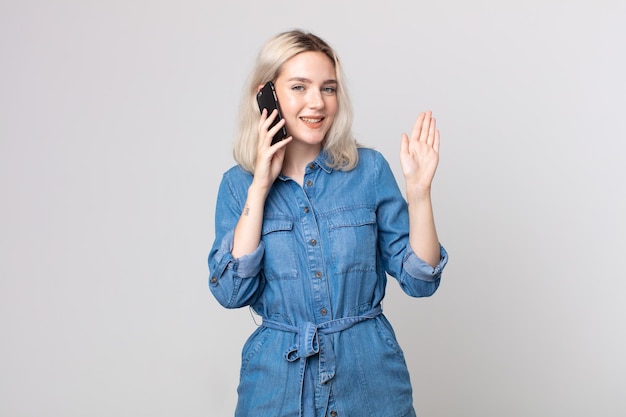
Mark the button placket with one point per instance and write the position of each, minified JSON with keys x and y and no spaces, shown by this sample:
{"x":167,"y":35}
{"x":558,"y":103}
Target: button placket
{"x":319,"y":288}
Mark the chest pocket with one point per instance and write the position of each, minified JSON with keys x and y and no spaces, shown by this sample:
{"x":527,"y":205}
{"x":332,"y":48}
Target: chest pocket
{"x":352,"y":236}
{"x":279,"y":259}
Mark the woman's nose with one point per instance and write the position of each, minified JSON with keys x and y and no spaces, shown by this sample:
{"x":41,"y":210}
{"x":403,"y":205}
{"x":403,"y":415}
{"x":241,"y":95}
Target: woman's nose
{"x":315,"y":99}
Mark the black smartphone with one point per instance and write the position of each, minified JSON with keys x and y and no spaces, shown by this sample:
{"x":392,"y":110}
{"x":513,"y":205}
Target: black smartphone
{"x":267,"y":100}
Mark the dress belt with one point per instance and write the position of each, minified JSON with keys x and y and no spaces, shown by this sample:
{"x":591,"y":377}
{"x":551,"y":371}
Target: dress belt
{"x":312,"y":339}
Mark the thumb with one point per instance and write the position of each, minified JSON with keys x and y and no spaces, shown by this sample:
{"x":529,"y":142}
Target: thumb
{"x":404,"y":144}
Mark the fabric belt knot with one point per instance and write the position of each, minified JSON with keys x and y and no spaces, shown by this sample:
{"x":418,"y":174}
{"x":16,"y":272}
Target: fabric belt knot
{"x":312,"y":339}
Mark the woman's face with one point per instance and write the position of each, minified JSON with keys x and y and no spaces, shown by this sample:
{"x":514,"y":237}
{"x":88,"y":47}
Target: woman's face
{"x":307,"y":92}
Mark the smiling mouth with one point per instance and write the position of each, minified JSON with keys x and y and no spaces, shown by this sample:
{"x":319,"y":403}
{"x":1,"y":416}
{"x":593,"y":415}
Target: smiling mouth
{"x":311,"y":120}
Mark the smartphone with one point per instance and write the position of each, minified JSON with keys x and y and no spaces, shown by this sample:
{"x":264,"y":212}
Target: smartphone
{"x":267,"y":100}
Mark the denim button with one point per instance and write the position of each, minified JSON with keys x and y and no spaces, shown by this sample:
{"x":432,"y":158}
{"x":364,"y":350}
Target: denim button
{"x":313,"y":242}
{"x":323,"y":311}
{"x":306,"y":209}
{"x":333,"y":413}
{"x":213,"y":280}
{"x":311,"y":166}
{"x":309,"y":183}
{"x":318,"y":274}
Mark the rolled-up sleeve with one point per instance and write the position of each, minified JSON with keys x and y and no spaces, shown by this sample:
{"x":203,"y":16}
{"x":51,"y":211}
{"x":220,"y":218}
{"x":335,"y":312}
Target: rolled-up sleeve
{"x":418,"y":278}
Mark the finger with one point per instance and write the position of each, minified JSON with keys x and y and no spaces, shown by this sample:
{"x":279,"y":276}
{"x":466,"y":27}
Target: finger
{"x":276,"y":128}
{"x":265,"y":135}
{"x":262,"y":120}
{"x":404,"y":144}
{"x":436,"y":141}
{"x":425,"y":127}
{"x":263,"y":116}
{"x":270,"y":118}
{"x":431,"y":131}
{"x":282,"y":143}
{"x":417,"y":126}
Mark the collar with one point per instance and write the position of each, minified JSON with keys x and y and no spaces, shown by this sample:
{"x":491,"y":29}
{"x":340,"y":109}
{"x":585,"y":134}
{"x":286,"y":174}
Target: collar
{"x":321,"y":161}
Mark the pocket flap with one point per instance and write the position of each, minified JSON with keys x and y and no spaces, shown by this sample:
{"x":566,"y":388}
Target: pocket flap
{"x":276,"y":225}
{"x":358,"y":216}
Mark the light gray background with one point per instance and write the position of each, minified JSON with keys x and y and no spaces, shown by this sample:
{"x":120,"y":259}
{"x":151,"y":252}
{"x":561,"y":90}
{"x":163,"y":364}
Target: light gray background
{"x":117,"y":119}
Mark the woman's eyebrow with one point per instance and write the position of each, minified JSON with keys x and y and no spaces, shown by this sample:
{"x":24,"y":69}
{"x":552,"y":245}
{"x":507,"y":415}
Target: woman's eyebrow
{"x":307,"y":81}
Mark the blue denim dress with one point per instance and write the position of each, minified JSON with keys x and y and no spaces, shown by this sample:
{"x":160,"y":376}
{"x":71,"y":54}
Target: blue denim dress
{"x":317,"y":279}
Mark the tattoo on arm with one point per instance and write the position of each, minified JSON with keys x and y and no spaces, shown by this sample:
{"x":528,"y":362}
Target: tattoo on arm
{"x":246,"y":211}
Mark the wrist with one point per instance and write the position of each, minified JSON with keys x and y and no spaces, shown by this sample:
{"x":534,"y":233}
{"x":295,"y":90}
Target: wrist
{"x":258,"y":189}
{"x":417,"y":193}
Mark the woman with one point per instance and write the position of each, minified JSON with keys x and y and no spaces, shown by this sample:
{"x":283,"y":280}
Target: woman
{"x":306,"y":231}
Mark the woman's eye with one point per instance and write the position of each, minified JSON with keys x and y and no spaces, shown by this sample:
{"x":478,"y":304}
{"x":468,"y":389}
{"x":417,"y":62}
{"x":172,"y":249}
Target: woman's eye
{"x":298,"y":88}
{"x":329,"y":90}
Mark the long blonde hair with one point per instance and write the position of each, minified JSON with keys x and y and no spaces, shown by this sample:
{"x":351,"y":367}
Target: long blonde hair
{"x":339,"y":145}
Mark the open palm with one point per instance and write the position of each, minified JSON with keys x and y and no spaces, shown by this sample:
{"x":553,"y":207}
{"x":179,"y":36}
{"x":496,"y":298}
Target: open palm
{"x":419,"y":153}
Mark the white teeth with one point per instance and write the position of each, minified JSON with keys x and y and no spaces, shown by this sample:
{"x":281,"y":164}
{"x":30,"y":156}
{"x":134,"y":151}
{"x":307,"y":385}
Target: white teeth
{"x":311,"y":120}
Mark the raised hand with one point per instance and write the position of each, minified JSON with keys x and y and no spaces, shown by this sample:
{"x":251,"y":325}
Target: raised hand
{"x":419,"y":153}
{"x":419,"y":156}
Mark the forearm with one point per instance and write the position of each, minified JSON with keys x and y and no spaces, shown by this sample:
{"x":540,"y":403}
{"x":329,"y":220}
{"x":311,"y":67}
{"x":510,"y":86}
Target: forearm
{"x":422,"y":232}
{"x":234,"y":284}
{"x":248,"y":229}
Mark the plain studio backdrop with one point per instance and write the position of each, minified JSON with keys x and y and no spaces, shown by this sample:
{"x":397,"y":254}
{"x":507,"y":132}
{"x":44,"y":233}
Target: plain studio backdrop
{"x":117,"y":121}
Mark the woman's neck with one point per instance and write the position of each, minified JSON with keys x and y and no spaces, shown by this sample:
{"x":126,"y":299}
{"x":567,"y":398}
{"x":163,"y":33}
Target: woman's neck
{"x":296,"y":160}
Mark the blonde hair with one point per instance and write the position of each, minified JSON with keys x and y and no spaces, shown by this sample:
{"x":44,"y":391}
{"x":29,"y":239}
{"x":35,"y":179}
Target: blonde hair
{"x":339,"y":145}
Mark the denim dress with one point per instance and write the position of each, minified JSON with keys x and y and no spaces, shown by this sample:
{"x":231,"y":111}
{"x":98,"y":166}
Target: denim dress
{"x":317,"y":279}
